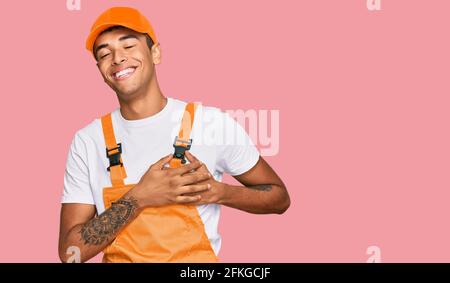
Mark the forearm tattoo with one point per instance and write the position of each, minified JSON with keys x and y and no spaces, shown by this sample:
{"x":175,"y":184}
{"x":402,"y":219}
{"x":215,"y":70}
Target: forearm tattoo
{"x":99,"y":230}
{"x":262,"y":187}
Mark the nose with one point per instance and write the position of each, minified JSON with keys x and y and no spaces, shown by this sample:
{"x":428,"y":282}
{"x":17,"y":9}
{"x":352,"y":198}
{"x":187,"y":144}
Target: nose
{"x":119,"y":58}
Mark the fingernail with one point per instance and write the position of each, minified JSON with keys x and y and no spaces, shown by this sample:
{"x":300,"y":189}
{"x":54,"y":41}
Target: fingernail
{"x":209,"y":186}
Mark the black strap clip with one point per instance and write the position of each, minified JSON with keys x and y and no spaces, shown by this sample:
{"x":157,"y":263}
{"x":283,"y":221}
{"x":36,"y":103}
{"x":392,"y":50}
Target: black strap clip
{"x":180,"y":150}
{"x":114,"y":159}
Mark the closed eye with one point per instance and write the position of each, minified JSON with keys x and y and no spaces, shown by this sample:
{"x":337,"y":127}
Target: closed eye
{"x":103,"y":56}
{"x":128,"y":47}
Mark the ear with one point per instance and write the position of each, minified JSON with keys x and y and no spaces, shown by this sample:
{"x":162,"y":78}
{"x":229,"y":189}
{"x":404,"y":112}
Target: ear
{"x":156,"y":54}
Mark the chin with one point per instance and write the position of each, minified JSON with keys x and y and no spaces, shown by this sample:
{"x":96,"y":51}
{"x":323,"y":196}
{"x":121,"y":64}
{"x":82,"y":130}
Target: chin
{"x":126,"y":90}
{"x":126,"y":93}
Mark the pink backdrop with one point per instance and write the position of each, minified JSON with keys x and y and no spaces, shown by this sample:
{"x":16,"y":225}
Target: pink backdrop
{"x":363,"y":99}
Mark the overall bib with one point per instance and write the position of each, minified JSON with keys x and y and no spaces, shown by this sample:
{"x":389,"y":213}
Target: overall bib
{"x":173,"y":233}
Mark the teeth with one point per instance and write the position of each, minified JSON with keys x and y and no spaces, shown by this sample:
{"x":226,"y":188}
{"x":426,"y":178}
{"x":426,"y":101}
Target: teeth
{"x":124,"y":72}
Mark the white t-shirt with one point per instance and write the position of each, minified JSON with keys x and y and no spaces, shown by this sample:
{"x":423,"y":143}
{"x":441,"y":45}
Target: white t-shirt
{"x":218,"y":141}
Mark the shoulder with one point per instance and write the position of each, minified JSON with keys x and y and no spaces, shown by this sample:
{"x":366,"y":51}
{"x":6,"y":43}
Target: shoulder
{"x":205,"y":114}
{"x":180,"y":105}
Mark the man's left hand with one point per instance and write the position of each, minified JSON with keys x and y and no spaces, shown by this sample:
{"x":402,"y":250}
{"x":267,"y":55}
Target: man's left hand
{"x":216,"y":191}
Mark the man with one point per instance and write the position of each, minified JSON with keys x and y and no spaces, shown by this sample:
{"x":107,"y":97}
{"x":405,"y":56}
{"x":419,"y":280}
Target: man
{"x":138,"y":201}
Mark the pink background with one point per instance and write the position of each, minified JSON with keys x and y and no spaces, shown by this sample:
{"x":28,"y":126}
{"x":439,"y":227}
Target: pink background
{"x":363,"y":99}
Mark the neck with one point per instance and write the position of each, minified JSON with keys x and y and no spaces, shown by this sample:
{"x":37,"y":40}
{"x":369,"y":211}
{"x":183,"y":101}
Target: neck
{"x":142,"y":106}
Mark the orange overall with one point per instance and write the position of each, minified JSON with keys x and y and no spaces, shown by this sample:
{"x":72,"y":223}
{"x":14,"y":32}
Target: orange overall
{"x":173,"y":233}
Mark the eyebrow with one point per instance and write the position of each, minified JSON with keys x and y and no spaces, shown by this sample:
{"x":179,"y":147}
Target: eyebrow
{"x":125,"y":37}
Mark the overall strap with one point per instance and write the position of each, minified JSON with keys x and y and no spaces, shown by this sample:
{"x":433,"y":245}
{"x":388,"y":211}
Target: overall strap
{"x":113,"y":153}
{"x":183,"y":141}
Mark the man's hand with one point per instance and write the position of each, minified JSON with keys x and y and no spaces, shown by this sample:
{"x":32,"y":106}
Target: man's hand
{"x":161,"y":186}
{"x":216,"y":191}
{"x":263,"y":191}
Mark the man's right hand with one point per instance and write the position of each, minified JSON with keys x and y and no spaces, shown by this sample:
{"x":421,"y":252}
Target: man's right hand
{"x":161,"y":186}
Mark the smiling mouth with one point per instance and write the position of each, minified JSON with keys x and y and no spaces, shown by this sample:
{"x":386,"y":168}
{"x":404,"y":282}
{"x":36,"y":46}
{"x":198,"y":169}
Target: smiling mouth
{"x":124,"y":74}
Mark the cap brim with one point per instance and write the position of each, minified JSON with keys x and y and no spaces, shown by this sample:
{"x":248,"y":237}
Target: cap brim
{"x":96,"y":32}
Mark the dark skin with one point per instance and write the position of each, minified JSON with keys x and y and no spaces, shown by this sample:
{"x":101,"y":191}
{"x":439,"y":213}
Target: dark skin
{"x":139,"y":95}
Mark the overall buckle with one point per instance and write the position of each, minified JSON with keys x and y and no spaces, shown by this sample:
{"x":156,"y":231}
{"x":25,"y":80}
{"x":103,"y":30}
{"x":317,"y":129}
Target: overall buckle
{"x":114,"y":159}
{"x":180,"y":148}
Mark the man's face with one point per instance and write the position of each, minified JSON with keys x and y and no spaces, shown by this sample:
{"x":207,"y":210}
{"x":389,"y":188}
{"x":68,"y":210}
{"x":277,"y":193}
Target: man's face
{"x":125,"y":61}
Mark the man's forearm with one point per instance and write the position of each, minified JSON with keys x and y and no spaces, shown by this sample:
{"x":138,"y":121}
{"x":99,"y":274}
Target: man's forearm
{"x":259,"y":199}
{"x":93,"y":236}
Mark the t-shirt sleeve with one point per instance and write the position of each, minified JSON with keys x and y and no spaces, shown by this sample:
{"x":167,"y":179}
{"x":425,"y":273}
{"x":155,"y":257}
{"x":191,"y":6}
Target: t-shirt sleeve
{"x":77,"y":188}
{"x":237,"y":153}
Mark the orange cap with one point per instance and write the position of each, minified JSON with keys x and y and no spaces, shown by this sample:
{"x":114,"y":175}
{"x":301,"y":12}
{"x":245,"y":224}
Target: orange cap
{"x":119,"y":16}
